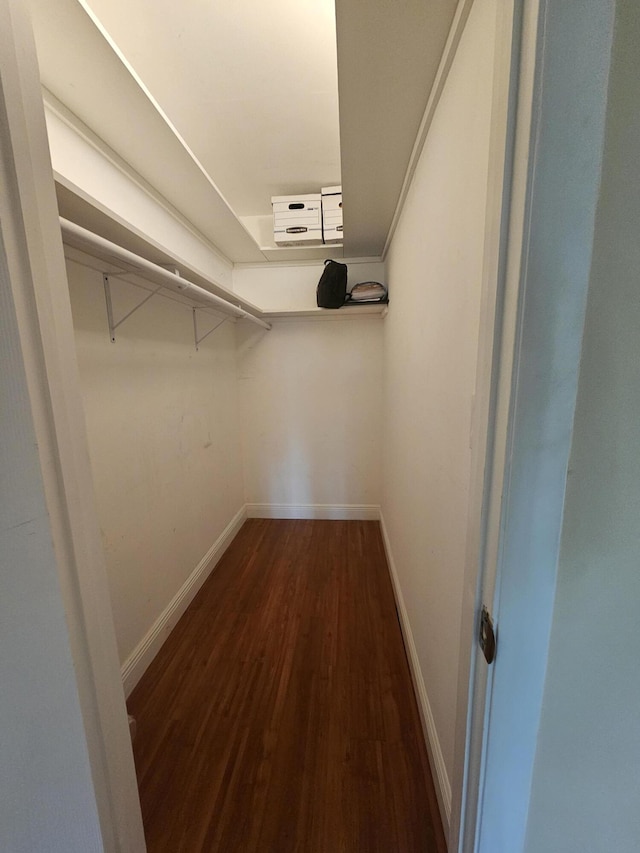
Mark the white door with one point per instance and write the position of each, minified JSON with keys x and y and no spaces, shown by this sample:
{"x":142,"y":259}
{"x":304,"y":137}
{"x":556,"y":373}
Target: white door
{"x":564,"y":64}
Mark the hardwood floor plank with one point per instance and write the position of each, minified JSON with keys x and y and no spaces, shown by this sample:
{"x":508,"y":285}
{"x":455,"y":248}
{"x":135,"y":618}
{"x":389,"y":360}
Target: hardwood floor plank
{"x":280,"y":715}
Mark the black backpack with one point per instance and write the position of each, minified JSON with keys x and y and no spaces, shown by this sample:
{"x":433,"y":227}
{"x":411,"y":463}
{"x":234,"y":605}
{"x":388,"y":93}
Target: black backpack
{"x":332,"y":287}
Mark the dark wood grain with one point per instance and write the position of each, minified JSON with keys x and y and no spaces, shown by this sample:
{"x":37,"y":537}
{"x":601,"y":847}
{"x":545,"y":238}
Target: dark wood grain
{"x":279,"y":715}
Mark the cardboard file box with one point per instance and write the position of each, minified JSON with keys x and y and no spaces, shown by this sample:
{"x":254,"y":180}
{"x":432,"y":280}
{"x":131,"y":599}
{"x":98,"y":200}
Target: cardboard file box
{"x":297,"y":220}
{"x":332,"y":214}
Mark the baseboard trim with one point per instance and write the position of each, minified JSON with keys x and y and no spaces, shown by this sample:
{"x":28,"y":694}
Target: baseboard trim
{"x":336,"y":512}
{"x":436,"y":758}
{"x":135,"y":665}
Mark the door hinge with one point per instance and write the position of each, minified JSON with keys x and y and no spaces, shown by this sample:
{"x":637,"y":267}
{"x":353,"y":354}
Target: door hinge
{"x":487,"y":635}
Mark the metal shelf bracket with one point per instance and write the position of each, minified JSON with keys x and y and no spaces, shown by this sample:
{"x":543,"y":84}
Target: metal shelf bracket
{"x":107,"y":295}
{"x":197,"y":341}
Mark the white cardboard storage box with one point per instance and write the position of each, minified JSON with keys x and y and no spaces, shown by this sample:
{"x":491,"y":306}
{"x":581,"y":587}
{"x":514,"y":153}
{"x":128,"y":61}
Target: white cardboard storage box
{"x":332,"y":214}
{"x":297,"y":220}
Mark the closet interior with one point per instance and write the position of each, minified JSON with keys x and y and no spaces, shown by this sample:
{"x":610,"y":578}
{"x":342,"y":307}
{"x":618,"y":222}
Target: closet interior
{"x":215,"y":391}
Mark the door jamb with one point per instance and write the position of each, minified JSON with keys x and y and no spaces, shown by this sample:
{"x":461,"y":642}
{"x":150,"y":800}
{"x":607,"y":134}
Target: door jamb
{"x":37,"y":271}
{"x":510,"y":110}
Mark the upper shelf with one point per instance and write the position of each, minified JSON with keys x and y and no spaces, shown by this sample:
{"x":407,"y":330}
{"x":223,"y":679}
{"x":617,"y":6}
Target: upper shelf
{"x":347,"y":312}
{"x":121,"y":261}
{"x":261,"y":229}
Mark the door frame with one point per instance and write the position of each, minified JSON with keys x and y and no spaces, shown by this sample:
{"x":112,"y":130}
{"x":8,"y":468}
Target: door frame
{"x":31,"y":234}
{"x":553,"y":188}
{"x":505,"y":211}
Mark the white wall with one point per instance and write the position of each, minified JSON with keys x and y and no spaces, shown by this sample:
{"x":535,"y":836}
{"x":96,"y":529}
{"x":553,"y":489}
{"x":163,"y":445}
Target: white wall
{"x":47,"y":797}
{"x":431,"y":335}
{"x":311,"y":404}
{"x":311,"y":398}
{"x":587,"y":771}
{"x":292,"y":287}
{"x":164,"y":438}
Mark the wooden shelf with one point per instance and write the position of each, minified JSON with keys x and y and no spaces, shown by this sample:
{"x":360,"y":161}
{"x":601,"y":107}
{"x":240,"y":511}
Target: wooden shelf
{"x":347,"y":312}
{"x":303,"y":253}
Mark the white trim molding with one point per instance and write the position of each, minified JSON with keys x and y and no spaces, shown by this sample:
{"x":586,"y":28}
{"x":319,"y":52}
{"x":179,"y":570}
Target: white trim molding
{"x":453,"y":40}
{"x":139,"y":660}
{"x":436,"y":758}
{"x":336,"y":512}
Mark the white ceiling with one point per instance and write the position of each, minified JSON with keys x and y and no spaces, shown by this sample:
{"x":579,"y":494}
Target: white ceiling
{"x":252,"y":86}
{"x":220,"y":105}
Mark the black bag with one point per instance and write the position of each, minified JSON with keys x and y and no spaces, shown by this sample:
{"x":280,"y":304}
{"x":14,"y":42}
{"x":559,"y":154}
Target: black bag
{"x":332,"y":287}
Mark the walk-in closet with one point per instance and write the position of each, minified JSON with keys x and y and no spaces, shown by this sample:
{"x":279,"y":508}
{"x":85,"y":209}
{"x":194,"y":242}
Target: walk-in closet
{"x":223,"y":406}
{"x":286,"y":577}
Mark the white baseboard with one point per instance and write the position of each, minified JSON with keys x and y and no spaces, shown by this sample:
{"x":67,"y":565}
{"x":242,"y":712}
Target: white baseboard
{"x":135,"y":665}
{"x":337,"y":512}
{"x":436,"y":758}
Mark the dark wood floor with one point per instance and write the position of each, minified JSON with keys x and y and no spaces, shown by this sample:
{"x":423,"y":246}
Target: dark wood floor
{"x":279,"y":715}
